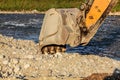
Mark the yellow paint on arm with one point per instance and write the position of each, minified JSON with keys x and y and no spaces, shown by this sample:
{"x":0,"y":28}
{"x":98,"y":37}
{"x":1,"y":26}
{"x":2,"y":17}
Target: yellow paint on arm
{"x":96,"y":11}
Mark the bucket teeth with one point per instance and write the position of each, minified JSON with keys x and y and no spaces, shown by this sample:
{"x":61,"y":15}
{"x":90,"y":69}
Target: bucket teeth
{"x":45,"y":50}
{"x":53,"y":49}
{"x":58,"y":49}
{"x":63,"y":49}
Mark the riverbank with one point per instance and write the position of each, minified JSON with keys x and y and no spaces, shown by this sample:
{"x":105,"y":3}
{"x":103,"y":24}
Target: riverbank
{"x":40,"y":12}
{"x":114,"y":13}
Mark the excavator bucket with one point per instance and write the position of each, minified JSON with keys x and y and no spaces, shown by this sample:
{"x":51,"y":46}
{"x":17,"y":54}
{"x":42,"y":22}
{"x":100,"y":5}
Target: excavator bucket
{"x":72,"y":26}
{"x":59,"y":28}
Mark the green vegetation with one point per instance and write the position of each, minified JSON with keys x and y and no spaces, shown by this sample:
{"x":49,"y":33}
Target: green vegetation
{"x":41,"y":5}
{"x":117,"y":7}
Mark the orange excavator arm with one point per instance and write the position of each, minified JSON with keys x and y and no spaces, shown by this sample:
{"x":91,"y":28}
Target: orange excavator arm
{"x":96,"y":11}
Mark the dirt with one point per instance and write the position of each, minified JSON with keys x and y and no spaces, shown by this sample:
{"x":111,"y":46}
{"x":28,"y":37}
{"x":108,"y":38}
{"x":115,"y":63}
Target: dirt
{"x":21,"y":59}
{"x":38,"y":12}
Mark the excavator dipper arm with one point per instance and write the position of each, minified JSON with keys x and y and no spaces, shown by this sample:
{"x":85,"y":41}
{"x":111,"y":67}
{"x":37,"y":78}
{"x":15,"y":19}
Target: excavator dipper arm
{"x":94,"y":18}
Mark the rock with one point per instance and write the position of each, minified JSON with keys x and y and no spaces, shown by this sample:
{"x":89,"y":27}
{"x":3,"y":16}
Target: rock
{"x":15,"y":61}
{"x":14,"y":52}
{"x":58,"y":55}
{"x":16,"y":69}
{"x":5,"y":74}
{"x":2,"y":56}
{"x":26,"y":66}
{"x":29,"y":57}
{"x":35,"y":11}
{"x":45,"y":72}
{"x":5,"y":62}
{"x":10,"y":70}
{"x":50,"y":56}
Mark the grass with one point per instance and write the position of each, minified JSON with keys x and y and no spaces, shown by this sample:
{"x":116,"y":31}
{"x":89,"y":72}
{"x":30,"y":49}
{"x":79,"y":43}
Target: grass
{"x":117,"y":7}
{"x":41,"y":5}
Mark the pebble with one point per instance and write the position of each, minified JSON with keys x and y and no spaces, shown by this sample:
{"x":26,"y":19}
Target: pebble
{"x":30,"y":57}
{"x":58,"y":55}
{"x":2,"y":56}
{"x":5,"y":62}
{"x":14,"y":53}
{"x":5,"y":74}
{"x":15,"y":61}
{"x":16,"y":69}
{"x":51,"y":56}
{"x":10,"y":70}
{"x":26,"y":66}
{"x":13,"y":48}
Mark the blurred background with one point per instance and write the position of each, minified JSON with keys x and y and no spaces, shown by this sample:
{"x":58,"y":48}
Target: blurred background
{"x":41,"y":5}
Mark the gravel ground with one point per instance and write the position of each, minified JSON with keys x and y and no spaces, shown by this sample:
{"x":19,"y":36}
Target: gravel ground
{"x":20,"y":59}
